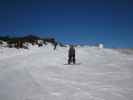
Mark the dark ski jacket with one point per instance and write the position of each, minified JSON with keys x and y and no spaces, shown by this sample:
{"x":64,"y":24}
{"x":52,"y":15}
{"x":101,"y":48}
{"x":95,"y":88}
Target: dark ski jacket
{"x":71,"y":51}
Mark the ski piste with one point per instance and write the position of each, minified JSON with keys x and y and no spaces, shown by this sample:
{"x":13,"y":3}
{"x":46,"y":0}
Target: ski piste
{"x":40,"y":74}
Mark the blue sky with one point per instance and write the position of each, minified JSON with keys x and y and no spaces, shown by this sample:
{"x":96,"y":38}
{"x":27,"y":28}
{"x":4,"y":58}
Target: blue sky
{"x":70,"y":21}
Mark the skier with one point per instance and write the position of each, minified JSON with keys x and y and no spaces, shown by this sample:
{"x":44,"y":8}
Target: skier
{"x":55,"y":45}
{"x":71,"y":55}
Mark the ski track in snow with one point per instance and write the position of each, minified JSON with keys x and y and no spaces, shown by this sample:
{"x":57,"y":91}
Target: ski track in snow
{"x":40,"y":74}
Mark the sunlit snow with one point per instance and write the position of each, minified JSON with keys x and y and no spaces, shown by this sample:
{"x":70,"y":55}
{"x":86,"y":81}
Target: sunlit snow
{"x":40,"y":74}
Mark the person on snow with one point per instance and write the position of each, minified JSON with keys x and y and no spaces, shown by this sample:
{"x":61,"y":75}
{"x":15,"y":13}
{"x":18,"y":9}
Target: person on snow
{"x":55,"y":45}
{"x":71,"y":55}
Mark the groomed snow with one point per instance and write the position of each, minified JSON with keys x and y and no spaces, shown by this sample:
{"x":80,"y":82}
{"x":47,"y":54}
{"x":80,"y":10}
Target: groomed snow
{"x":40,"y":74}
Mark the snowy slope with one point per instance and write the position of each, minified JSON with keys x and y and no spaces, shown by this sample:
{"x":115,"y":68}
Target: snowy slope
{"x":40,"y":74}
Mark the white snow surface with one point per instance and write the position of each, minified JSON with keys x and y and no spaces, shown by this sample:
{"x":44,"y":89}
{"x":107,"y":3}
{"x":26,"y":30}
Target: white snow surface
{"x":40,"y":74}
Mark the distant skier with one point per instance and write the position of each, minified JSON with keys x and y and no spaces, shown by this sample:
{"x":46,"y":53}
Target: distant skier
{"x":71,"y":55}
{"x":55,"y":45}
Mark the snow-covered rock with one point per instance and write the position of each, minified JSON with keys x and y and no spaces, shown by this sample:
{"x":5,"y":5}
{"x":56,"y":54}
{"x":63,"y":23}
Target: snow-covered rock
{"x":3,"y":44}
{"x":100,"y":45}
